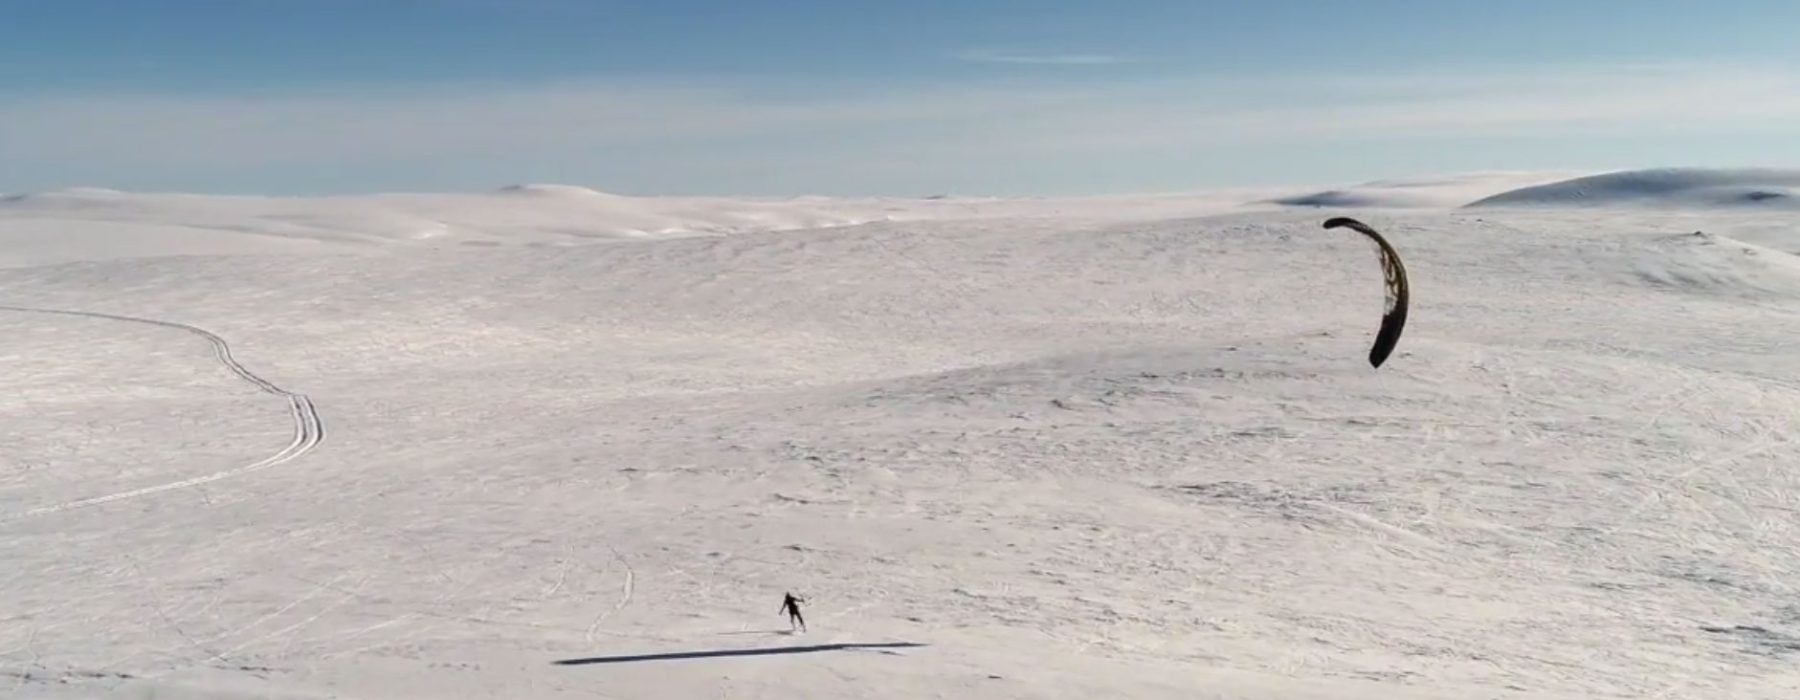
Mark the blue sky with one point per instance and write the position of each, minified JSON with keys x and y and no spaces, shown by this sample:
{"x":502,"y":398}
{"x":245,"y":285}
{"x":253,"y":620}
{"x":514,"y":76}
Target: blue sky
{"x":767,"y":97}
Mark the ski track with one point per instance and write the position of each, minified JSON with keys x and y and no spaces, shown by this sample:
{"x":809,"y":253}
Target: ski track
{"x":625,"y":593}
{"x":309,"y":431}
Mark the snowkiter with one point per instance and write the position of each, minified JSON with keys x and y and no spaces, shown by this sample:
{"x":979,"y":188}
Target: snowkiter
{"x":791,"y":606}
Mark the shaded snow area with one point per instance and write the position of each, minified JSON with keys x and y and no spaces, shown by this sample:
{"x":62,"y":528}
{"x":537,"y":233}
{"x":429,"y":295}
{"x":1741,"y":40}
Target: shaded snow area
{"x":1416,"y":193}
{"x":548,"y":442}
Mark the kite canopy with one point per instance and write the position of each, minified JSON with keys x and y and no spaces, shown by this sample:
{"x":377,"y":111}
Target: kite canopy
{"x":1393,"y":316}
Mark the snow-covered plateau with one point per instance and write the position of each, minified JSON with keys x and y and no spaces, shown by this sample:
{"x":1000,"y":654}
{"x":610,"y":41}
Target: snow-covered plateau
{"x":549,"y":442}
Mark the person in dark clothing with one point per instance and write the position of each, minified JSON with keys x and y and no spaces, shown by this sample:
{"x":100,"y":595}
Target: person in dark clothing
{"x":791,"y":606}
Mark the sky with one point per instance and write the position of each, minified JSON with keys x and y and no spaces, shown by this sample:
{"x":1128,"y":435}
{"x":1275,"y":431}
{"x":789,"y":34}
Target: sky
{"x":866,"y":97}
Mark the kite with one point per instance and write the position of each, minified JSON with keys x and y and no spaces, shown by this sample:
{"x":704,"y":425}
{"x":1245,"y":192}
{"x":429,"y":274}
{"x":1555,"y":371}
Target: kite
{"x":1393,"y":316}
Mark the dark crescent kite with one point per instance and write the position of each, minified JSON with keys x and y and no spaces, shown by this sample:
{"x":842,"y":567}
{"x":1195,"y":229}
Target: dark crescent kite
{"x":1393,"y":316}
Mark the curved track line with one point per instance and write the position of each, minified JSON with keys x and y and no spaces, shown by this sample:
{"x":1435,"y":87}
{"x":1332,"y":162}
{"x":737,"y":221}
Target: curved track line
{"x":624,"y":596}
{"x":309,"y":431}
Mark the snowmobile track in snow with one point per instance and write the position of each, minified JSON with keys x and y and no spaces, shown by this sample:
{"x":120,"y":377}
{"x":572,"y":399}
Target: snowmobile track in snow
{"x":308,"y":430}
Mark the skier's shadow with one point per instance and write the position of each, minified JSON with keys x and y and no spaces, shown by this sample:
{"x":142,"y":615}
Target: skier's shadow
{"x":716,"y":653}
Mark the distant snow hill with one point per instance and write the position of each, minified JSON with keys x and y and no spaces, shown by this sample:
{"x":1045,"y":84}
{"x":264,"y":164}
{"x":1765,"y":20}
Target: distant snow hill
{"x":1695,"y":188}
{"x":90,"y":223}
{"x":99,"y":223}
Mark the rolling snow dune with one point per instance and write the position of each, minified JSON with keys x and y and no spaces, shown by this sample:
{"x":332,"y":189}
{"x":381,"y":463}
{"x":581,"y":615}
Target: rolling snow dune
{"x":93,"y":223}
{"x":97,"y":223}
{"x":1672,"y":187}
{"x":1113,"y":447}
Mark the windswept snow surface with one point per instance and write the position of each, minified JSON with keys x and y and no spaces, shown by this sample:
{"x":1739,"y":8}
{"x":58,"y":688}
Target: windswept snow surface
{"x":1107,"y":448}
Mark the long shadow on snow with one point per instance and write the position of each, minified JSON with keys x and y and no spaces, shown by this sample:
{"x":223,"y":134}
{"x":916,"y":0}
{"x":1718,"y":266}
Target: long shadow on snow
{"x":765,"y":651}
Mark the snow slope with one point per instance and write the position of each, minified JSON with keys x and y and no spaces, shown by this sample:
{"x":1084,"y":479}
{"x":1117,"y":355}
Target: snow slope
{"x":1021,"y":449}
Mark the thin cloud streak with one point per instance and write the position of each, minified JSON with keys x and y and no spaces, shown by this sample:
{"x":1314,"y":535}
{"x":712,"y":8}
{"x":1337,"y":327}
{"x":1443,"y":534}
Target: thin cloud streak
{"x":1603,"y":102}
{"x":706,"y":127}
{"x":1035,"y":59}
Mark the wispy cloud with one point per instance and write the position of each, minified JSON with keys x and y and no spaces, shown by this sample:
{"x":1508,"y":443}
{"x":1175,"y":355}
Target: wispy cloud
{"x":1041,"y":59}
{"x":1396,"y":108}
{"x":231,"y":130}
{"x":737,"y":134}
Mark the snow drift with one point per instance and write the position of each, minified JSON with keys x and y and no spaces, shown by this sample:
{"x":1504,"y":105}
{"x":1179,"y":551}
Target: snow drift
{"x":1705,"y":263}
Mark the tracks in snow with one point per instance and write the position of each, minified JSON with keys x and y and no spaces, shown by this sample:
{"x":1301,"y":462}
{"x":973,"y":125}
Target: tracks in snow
{"x":625,"y":592}
{"x":308,"y":430}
